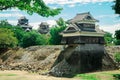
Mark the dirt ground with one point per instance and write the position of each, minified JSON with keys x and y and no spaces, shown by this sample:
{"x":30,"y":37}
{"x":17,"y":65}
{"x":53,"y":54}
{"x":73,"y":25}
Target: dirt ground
{"x":23,"y":75}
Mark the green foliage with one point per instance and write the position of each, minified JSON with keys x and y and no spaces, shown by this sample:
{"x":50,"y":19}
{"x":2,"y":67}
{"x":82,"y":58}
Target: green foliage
{"x":55,"y":32}
{"x":117,"y":34}
{"x":116,"y":7}
{"x":117,"y":37}
{"x":108,"y":38}
{"x":4,"y":23}
{"x":117,"y":76}
{"x":33,"y":38}
{"x":117,"y":57}
{"x":25,"y":39}
{"x":7,"y":38}
{"x":31,"y":6}
{"x":87,"y":76}
{"x":18,"y":31}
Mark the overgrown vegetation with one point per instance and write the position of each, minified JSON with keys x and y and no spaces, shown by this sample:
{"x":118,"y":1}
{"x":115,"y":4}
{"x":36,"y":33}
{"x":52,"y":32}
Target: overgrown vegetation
{"x":117,"y":57}
{"x":117,"y":37}
{"x":117,"y":76}
{"x":33,"y":38}
{"x":108,"y":38}
{"x":7,"y":38}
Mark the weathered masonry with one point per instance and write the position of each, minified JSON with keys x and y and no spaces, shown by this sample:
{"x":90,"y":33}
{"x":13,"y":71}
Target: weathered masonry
{"x":84,"y":46}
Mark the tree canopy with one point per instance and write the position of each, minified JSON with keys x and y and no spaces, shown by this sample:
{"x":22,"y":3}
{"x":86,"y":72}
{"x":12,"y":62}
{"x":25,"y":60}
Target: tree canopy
{"x":7,"y":38}
{"x":55,"y":38}
{"x":33,"y":38}
{"x":116,"y":7}
{"x":108,"y":38}
{"x":117,"y":37}
{"x":31,"y":6}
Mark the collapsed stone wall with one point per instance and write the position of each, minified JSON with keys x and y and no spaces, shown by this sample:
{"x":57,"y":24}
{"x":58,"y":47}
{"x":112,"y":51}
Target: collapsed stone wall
{"x":81,"y":59}
{"x":33,"y":59}
{"x":59,"y":62}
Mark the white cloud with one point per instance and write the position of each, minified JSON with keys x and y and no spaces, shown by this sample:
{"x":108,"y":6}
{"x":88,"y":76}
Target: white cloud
{"x":12,"y":22}
{"x":11,"y":10}
{"x":72,"y":5}
{"x":10,"y":14}
{"x":51,"y":22}
{"x":35,"y":25}
{"x":108,"y":16}
{"x":110,"y":28}
{"x":73,"y":1}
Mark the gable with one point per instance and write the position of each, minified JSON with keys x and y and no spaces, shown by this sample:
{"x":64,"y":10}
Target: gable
{"x":88,"y":17}
{"x":71,"y":29}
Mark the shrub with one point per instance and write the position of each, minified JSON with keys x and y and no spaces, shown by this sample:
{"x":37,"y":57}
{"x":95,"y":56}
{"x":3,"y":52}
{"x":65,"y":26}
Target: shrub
{"x":117,"y":76}
{"x":33,"y":38}
{"x":117,"y":57}
{"x":7,"y":38}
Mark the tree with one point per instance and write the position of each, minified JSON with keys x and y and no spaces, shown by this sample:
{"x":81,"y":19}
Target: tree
{"x":31,"y":6}
{"x":33,"y":38}
{"x":7,"y":38}
{"x":116,"y":7}
{"x":18,"y":31}
{"x":55,"y":32}
{"x":108,"y":38}
{"x":4,"y":23}
{"x":117,"y":37}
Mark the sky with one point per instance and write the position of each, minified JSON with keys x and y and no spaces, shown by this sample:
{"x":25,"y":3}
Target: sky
{"x":99,"y":9}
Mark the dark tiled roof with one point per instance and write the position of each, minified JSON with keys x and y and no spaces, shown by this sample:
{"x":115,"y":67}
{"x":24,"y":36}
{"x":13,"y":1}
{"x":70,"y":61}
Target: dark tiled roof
{"x":44,"y":23}
{"x":81,"y":16}
{"x":27,"y":26}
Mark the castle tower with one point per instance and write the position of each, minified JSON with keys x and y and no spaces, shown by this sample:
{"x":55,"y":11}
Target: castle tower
{"x":23,"y":22}
{"x":82,"y":29}
{"x":43,"y":28}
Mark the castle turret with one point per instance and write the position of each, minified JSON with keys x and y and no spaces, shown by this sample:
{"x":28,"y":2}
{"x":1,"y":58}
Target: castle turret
{"x":82,"y":29}
{"x":23,"y":22}
{"x":43,"y":28}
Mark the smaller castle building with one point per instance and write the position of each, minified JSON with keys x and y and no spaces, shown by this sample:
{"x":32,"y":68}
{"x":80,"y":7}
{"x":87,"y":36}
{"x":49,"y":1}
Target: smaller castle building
{"x":23,"y":22}
{"x":43,"y":28}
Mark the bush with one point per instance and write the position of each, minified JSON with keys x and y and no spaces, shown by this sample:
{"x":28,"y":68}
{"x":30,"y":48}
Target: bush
{"x":117,"y":42}
{"x":18,"y":31}
{"x":33,"y":38}
{"x":108,"y":38}
{"x":117,"y":37}
{"x":7,"y":38}
{"x":117,"y":57}
{"x":117,"y":76}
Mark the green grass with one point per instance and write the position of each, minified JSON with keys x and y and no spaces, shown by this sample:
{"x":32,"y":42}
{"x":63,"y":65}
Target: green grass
{"x":8,"y":74}
{"x":87,"y":76}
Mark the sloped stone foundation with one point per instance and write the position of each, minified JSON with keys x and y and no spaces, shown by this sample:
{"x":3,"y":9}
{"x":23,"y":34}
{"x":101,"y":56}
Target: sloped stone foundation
{"x":81,"y":59}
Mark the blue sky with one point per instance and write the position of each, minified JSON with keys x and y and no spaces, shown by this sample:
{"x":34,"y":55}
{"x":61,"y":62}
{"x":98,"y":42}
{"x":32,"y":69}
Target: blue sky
{"x":100,"y":9}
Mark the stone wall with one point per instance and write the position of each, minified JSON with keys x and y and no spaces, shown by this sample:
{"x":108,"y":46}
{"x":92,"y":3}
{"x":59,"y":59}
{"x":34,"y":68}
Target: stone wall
{"x":81,"y":59}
